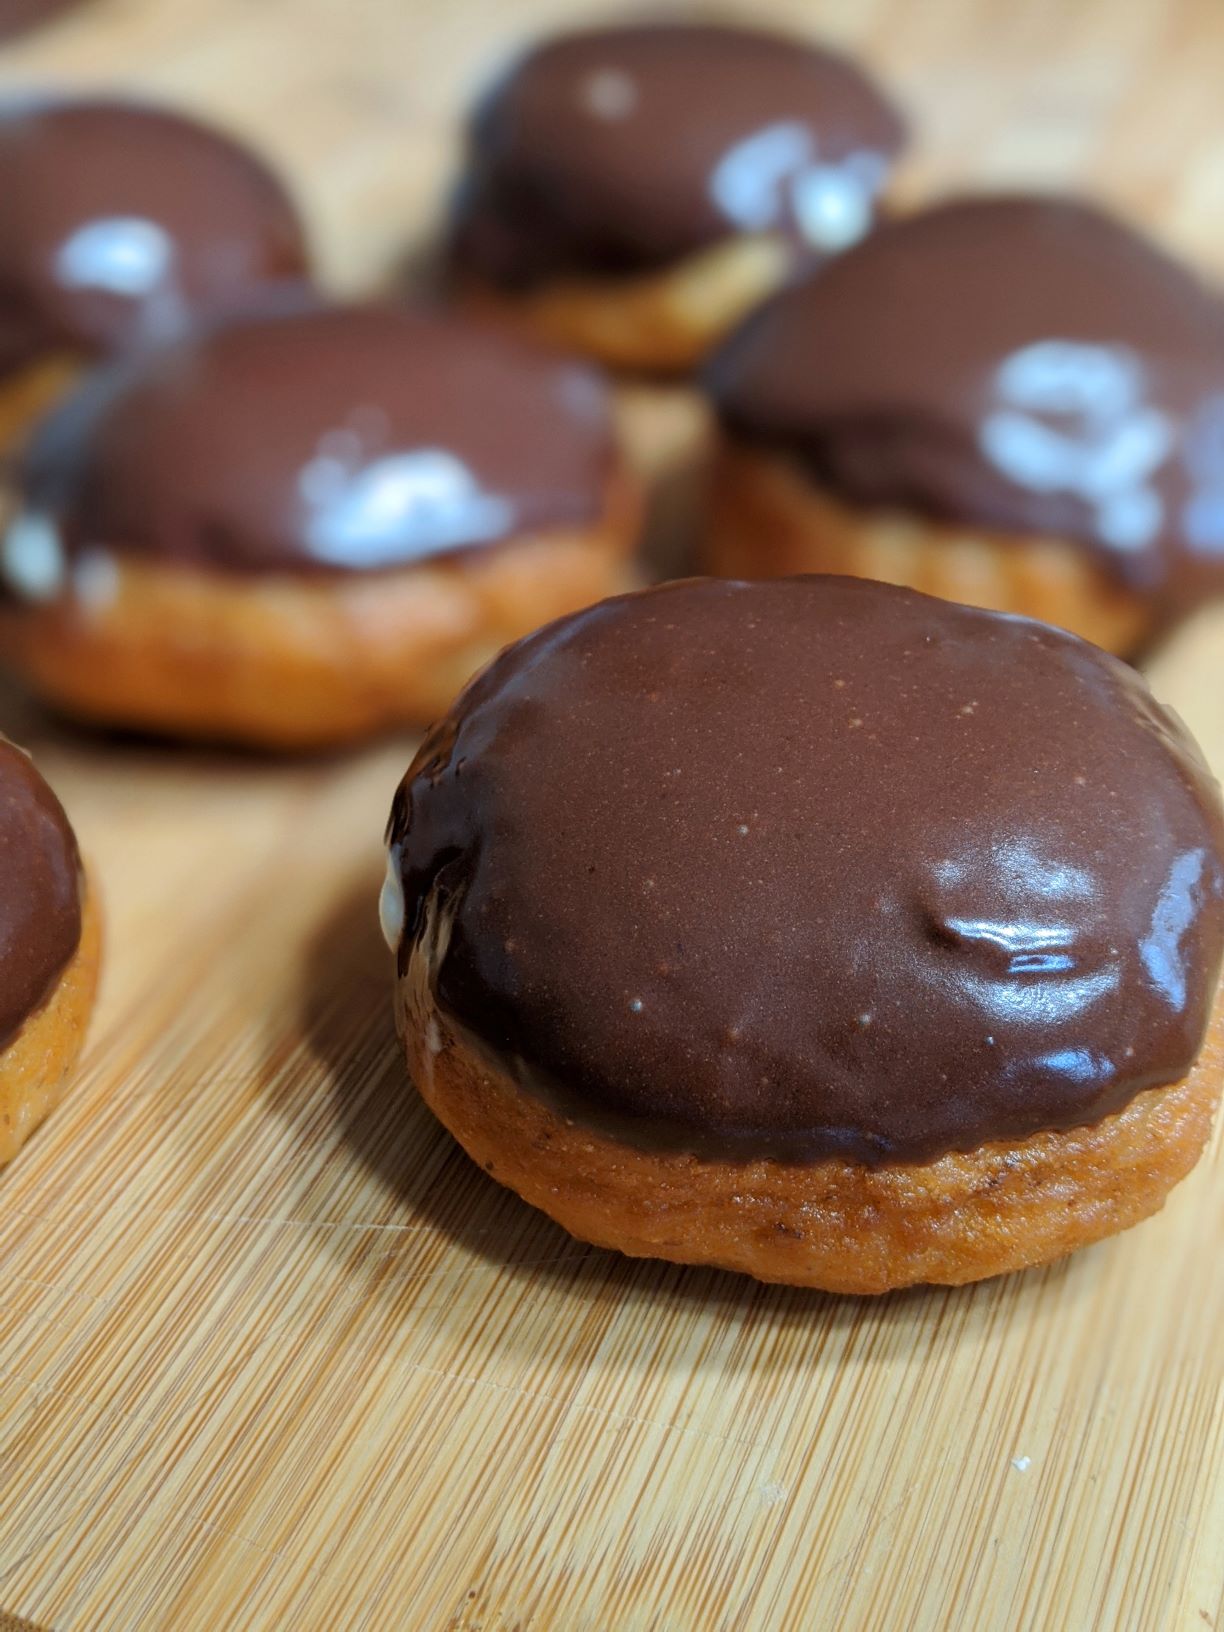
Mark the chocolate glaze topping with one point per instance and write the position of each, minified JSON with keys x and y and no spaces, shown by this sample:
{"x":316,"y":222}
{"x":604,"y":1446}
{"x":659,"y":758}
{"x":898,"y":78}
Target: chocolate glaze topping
{"x":815,"y":867}
{"x":322,"y":438}
{"x":120,"y":224}
{"x":40,"y":891}
{"x":1022,"y":363}
{"x":627,"y":148}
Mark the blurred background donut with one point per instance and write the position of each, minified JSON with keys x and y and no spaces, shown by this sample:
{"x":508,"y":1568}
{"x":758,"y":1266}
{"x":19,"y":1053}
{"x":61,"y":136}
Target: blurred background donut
{"x":300,"y":528}
{"x":633,"y":191}
{"x":1012,"y":401}
{"x":121,"y":225}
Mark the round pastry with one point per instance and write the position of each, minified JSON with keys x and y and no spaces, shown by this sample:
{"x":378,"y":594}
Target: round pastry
{"x":49,"y":945}
{"x":817,"y":929}
{"x":633,"y":191}
{"x":121,"y":225}
{"x":1014,"y":402}
{"x":293,"y":530}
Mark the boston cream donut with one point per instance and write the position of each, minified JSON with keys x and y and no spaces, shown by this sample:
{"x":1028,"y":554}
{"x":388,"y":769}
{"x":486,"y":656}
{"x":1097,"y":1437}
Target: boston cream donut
{"x":295,"y":529}
{"x":1014,"y":402}
{"x":633,"y":191}
{"x":48,"y":949}
{"x":817,"y":929}
{"x":121,"y":224}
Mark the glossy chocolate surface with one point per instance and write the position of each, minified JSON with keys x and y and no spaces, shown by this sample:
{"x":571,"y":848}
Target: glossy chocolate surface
{"x":40,"y":891}
{"x":120,"y":224}
{"x":321,"y":438}
{"x":816,"y":867}
{"x":1021,"y":363}
{"x":627,"y":148}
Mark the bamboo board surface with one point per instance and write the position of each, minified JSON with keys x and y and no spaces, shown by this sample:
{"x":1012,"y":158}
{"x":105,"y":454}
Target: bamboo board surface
{"x":273,"y":1354}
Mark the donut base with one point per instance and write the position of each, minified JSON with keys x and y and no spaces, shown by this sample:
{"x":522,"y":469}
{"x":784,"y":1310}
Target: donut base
{"x":27,"y":394}
{"x":833,"y":1224}
{"x":34,"y":1067}
{"x":298,"y":662}
{"x":768,"y":519}
{"x":661,"y":322}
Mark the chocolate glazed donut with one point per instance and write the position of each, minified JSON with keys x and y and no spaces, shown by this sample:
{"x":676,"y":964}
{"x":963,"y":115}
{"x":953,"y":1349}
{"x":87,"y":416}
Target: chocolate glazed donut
{"x":633,"y":190}
{"x":298,"y":528}
{"x":1048,"y":441}
{"x":48,"y":949}
{"x":123,"y":225}
{"x":814,"y":928}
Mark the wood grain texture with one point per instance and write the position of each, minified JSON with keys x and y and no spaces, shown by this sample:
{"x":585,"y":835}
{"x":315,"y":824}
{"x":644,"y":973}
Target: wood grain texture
{"x":274,"y":1354}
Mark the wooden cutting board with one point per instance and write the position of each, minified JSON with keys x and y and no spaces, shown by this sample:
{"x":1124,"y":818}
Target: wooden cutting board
{"x":274,"y":1355}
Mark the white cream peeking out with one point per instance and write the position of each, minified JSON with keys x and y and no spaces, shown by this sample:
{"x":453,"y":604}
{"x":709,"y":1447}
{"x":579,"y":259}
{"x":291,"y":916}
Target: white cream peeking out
{"x":32,"y":557}
{"x":1074,"y":418}
{"x":95,"y":580}
{"x":391,"y":901}
{"x":778,"y":167}
{"x":399,"y":508}
{"x":125,"y":255}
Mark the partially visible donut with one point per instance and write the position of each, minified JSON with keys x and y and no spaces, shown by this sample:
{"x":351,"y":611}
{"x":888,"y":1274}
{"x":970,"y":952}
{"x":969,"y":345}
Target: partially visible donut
{"x":122,"y":225}
{"x":1013,"y":402}
{"x":49,"y":949}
